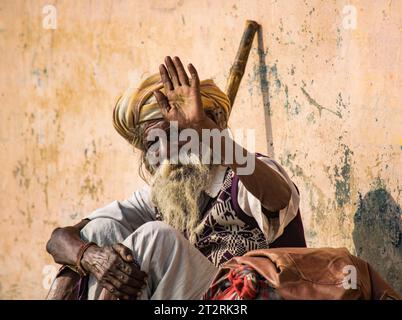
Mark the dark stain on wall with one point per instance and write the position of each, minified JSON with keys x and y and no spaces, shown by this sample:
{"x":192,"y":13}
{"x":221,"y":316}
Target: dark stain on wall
{"x":342,"y":177}
{"x":377,"y":234}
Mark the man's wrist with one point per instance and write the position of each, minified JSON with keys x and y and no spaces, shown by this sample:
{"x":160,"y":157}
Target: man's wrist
{"x":87,"y":257}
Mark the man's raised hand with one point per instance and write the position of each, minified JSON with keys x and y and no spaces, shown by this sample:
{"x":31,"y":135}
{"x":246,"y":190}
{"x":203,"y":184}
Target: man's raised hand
{"x":182,"y":102}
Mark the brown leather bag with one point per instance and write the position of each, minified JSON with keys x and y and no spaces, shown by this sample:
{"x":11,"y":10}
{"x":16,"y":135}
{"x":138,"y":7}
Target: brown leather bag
{"x":296,"y":273}
{"x":314,"y":274}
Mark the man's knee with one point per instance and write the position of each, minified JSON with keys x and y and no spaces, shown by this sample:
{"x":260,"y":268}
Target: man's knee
{"x":159,"y":229}
{"x":155,"y":233}
{"x":104,"y":231}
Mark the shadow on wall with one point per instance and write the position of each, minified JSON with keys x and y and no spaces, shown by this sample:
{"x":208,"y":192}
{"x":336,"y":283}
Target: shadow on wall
{"x":264,"y":85}
{"x":377,"y":235}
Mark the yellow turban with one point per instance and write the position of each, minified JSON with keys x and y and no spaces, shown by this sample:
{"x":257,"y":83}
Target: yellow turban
{"x":139,"y":105}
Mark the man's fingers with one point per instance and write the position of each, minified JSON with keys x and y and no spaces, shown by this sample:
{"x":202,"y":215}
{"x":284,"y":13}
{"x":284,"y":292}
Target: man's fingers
{"x":124,"y":252}
{"x":125,"y":267}
{"x":113,"y":290}
{"x":106,"y":295}
{"x":162,"y":101}
{"x":122,"y":287}
{"x":131,"y":270}
{"x":172,"y":71}
{"x":167,"y":83}
{"x":139,"y":275}
{"x":195,"y":81}
{"x":128,"y":280}
{"x":183,"y":78}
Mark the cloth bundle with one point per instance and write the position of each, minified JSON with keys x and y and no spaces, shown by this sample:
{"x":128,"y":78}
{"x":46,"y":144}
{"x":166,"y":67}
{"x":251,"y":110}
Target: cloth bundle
{"x":241,"y":283}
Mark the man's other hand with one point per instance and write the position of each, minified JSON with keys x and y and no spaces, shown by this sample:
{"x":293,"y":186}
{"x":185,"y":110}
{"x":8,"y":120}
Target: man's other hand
{"x":115,"y":270}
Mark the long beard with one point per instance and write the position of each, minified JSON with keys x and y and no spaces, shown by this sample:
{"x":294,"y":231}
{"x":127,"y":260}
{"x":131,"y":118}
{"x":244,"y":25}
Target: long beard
{"x":176,"y":191}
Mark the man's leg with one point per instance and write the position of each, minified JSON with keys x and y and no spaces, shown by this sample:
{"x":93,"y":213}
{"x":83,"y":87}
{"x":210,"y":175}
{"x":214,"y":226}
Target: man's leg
{"x":175,"y":268}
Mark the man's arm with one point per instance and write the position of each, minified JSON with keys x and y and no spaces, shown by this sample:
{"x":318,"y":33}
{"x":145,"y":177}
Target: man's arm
{"x":263,"y":182}
{"x":65,"y":243}
{"x":113,"y":266}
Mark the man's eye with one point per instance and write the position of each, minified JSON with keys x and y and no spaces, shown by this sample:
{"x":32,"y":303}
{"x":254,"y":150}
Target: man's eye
{"x":151,"y":143}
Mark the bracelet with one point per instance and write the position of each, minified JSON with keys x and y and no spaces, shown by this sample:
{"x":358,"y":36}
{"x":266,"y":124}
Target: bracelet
{"x":81,"y":252}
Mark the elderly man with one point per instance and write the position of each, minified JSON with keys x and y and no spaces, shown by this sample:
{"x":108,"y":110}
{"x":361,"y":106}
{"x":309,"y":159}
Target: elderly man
{"x":169,"y":238}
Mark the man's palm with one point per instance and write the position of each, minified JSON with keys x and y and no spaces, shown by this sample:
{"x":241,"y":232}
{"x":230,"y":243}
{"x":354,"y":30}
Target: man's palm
{"x":185,"y":105}
{"x":182,"y":102}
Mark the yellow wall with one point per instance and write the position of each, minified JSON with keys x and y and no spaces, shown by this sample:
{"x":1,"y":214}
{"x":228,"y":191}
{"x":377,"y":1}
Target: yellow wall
{"x":334,"y":92}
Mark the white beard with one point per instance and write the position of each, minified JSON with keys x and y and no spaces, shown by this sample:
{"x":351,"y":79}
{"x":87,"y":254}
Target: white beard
{"x":176,"y":190}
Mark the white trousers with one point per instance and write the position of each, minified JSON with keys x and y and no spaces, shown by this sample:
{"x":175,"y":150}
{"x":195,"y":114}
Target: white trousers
{"x":176,"y":269}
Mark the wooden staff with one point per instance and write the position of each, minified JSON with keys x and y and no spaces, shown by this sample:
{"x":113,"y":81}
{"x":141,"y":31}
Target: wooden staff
{"x":239,"y":64}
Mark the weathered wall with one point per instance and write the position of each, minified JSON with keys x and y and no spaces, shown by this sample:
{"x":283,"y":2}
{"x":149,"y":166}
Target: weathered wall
{"x":333,"y":92}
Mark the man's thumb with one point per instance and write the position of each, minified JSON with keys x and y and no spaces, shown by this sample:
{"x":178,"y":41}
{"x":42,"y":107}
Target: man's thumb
{"x":124,"y":252}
